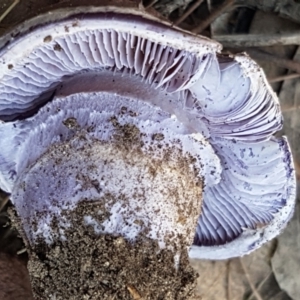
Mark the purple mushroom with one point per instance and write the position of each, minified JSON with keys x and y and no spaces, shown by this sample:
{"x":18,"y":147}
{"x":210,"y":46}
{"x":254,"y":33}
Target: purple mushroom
{"x":98,"y":100}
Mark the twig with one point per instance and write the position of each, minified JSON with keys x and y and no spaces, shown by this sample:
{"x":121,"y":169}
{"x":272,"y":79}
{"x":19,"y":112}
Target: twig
{"x":113,"y":297}
{"x":260,"y":285}
{"x":188,"y":12}
{"x":21,"y":251}
{"x":209,"y":5}
{"x":134,"y":293}
{"x":279,"y":294}
{"x":228,"y":296}
{"x":151,"y":4}
{"x":254,"y":290}
{"x":289,"y":108}
{"x":3,"y":200}
{"x":211,"y":286}
{"x":215,"y":14}
{"x":9,"y":9}
{"x":284,"y":77}
{"x":280,"y":61}
{"x":258,"y":40}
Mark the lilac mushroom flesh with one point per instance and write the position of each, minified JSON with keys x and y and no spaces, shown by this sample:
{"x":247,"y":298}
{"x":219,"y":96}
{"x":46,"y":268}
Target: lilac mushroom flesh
{"x":94,"y":68}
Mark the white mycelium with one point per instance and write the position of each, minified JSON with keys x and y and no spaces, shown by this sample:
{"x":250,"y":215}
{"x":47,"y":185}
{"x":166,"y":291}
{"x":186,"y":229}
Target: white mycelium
{"x":218,"y":110}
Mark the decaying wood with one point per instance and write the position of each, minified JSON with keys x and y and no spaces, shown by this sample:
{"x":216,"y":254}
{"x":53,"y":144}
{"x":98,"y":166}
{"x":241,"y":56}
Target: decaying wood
{"x":258,"y":40}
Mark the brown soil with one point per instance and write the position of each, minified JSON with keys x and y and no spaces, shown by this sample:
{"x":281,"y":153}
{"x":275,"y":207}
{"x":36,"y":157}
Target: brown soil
{"x":87,"y":266}
{"x":14,"y":280}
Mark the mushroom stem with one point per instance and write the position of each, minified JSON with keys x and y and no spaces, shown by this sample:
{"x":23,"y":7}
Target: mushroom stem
{"x":121,"y":201}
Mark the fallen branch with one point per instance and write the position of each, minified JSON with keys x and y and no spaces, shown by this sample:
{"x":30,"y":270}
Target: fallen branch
{"x":258,"y":40}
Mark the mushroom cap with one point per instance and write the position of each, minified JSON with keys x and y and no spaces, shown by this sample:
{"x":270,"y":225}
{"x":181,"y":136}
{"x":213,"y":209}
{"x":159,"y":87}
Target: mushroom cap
{"x":224,"y":102}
